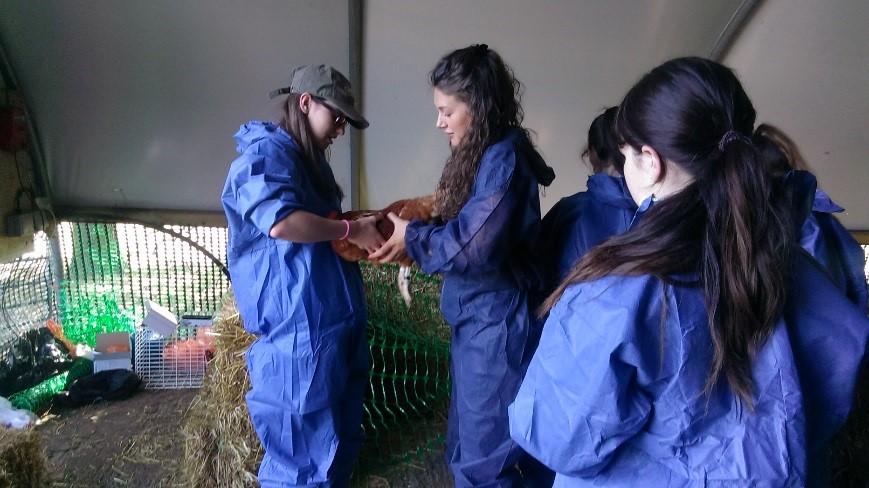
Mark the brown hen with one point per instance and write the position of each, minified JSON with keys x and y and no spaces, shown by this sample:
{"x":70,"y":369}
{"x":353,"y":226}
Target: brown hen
{"x":420,"y":208}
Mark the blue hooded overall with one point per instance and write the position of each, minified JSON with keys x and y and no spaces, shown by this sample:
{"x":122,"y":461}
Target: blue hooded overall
{"x":581,"y":221}
{"x":615,"y":397}
{"x":309,"y":364}
{"x":486,"y":256}
{"x":824,"y":237}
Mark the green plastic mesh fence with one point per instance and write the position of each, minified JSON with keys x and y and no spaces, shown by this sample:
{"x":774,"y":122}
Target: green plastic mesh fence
{"x":109,"y":270}
{"x":409,"y":390}
{"x":38,"y":398}
{"x":27,"y":299}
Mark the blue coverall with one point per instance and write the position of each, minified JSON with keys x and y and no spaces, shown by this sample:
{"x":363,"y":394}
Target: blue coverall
{"x":581,"y":221}
{"x":309,"y":364}
{"x":487,"y":260}
{"x":614,"y":397}
{"x":824,"y":237}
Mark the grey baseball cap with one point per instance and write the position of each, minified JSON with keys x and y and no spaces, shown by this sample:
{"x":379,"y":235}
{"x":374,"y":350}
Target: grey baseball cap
{"x":329,"y":84}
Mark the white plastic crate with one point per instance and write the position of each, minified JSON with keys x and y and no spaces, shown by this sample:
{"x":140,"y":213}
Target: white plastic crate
{"x":177,"y":361}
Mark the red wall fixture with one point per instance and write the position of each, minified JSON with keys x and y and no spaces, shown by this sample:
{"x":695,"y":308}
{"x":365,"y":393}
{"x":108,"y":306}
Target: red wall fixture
{"x":13,"y":130}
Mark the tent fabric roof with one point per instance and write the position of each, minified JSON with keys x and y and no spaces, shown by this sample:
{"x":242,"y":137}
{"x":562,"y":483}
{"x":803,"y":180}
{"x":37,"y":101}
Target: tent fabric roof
{"x":135,"y":103}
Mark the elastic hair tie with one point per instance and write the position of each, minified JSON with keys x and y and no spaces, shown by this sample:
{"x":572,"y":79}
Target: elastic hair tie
{"x":731,"y":136}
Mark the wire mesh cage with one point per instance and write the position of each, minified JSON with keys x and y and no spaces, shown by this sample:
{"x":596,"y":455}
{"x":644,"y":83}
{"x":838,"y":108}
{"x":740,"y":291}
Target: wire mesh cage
{"x":27,"y":298}
{"x":177,"y":361}
{"x":110,"y":270}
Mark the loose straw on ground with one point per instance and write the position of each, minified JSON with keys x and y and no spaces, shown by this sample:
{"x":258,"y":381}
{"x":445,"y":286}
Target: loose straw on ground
{"x":21,"y":460}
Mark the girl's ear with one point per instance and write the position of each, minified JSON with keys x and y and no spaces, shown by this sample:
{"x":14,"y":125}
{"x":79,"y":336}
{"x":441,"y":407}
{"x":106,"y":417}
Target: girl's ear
{"x":305,"y":102}
{"x":651,"y":165}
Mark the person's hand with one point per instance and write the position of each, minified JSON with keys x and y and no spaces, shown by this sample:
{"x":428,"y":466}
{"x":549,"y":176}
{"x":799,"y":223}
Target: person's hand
{"x":394,"y":249}
{"x":364,"y":234}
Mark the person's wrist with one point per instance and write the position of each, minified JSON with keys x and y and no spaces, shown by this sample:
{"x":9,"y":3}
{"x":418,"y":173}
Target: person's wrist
{"x":347,"y":229}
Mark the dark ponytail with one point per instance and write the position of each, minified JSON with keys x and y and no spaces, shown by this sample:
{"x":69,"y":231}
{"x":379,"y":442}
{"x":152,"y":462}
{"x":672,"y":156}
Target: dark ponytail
{"x":729,"y":225}
{"x":601,"y":141}
{"x":744,"y":264}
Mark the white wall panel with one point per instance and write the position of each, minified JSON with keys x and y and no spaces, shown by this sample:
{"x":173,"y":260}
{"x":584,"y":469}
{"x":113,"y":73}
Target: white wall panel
{"x":136,"y":102}
{"x":574,"y":58}
{"x":805,"y":65}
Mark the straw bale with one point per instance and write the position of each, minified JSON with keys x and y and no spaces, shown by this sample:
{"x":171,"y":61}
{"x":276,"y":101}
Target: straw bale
{"x":220,"y":446}
{"x":404,"y":402}
{"x":22,"y":463}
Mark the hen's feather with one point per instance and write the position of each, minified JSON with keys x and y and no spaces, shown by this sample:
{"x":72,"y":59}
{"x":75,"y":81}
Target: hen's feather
{"x":420,"y":208}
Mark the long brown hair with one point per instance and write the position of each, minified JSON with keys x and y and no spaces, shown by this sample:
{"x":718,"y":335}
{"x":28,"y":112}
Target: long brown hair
{"x":729,"y":226}
{"x":295,"y":122}
{"x":478,"y":77}
{"x":781,"y":153}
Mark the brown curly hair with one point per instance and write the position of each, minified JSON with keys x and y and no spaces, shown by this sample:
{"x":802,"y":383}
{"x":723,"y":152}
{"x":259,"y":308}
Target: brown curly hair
{"x":479,"y":78}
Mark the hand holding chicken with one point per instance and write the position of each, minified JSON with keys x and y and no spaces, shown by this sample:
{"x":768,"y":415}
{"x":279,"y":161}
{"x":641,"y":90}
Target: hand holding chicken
{"x":394,"y":249}
{"x":391,"y":223}
{"x":391,"y":228}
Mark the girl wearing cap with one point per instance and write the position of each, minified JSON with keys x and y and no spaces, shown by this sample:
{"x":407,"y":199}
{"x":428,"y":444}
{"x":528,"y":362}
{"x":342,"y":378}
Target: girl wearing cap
{"x":309,"y":364}
{"x":488,"y":195}
{"x":701,"y":347}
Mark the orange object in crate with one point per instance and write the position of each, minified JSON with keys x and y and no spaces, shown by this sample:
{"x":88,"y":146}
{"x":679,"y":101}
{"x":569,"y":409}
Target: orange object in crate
{"x":205,"y":336}
{"x":187,"y":355}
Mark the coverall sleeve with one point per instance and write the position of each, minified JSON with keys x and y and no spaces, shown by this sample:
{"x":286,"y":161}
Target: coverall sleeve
{"x":829,"y":336}
{"x":580,"y":399}
{"x":478,"y":237}
{"x":824,"y":237}
{"x":267,"y":190}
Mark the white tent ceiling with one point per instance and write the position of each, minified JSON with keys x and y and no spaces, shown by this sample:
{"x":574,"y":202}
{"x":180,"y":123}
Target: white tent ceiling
{"x":574,"y":58}
{"x":135,"y":103}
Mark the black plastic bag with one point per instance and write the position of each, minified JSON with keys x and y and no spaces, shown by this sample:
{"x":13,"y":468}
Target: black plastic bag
{"x":31,"y":359}
{"x":111,"y":384}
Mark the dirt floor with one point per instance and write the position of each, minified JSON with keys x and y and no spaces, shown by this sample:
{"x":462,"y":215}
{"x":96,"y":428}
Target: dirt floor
{"x":134,"y":442}
{"x":137,"y":442}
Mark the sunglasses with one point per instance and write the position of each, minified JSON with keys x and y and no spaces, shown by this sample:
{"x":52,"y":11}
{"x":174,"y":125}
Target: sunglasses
{"x":340,"y":120}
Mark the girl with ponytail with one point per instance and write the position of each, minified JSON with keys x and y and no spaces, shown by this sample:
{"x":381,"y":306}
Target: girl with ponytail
{"x":685,"y":351}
